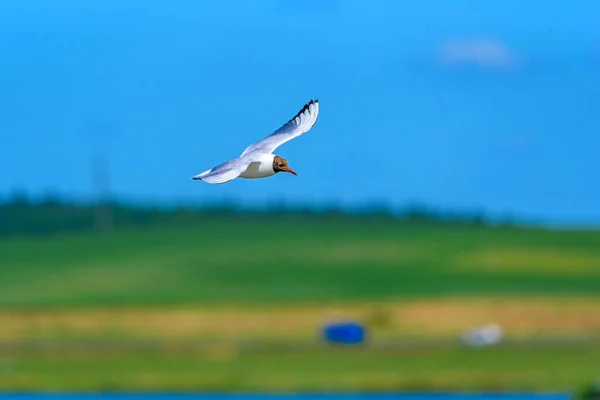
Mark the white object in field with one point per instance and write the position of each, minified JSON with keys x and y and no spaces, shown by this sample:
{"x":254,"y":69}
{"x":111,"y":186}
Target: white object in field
{"x":484,"y":336}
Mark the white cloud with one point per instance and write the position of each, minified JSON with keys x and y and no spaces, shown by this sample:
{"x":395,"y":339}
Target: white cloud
{"x":486,"y":53}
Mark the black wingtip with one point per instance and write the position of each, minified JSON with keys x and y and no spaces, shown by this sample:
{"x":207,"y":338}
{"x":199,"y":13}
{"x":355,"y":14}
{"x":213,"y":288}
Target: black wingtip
{"x":306,"y":106}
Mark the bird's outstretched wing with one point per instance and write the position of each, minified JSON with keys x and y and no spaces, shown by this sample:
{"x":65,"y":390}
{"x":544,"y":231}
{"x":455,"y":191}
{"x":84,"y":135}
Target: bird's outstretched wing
{"x":301,"y":123}
{"x":224,"y":172}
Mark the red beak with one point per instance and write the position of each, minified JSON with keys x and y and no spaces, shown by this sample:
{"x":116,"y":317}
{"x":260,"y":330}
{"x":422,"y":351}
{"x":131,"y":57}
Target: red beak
{"x":291,"y":171}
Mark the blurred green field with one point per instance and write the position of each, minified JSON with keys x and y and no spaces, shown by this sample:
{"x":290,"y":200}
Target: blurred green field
{"x":444,"y":368}
{"x":260,"y":262}
{"x":225,"y":283}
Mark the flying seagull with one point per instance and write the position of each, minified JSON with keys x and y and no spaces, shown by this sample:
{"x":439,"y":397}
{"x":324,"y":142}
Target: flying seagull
{"x":258,"y":160}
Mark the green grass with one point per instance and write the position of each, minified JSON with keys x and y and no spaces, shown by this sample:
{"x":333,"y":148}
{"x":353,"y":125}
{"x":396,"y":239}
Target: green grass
{"x":259,"y":262}
{"x":446,"y":368}
{"x":140,"y":278}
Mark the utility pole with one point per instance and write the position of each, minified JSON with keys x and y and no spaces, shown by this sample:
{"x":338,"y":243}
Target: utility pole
{"x":100,"y":174}
{"x":103,"y":218}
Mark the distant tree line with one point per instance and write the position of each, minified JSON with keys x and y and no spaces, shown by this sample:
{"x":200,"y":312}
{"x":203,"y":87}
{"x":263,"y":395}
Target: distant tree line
{"x":20,"y":215}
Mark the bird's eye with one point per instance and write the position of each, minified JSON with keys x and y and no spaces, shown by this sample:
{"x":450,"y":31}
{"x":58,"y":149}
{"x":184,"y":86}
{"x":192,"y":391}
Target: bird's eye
{"x":280,"y":165}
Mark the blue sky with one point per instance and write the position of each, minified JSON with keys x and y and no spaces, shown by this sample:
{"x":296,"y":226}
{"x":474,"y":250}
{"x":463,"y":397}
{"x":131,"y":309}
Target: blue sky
{"x":466,"y":104}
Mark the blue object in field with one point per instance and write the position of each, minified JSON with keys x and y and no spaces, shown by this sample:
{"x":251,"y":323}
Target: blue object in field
{"x":344,"y":333}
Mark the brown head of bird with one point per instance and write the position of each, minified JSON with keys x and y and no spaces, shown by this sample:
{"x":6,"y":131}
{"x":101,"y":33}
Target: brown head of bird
{"x":281,"y":165}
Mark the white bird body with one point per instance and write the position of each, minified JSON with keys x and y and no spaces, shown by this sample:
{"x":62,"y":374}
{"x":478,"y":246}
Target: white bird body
{"x":262,"y":168}
{"x":258,"y":160}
